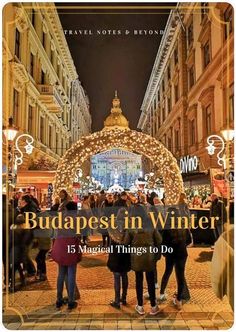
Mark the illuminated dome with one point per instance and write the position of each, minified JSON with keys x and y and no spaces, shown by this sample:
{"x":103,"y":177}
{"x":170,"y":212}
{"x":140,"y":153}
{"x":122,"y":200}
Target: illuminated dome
{"x":116,"y":119}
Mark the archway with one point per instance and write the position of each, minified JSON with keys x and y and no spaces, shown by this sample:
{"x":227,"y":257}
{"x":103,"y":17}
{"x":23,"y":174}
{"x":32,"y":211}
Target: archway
{"x":127,"y":139}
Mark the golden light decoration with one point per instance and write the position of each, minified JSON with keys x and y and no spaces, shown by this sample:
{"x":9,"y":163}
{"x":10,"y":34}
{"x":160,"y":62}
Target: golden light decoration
{"x":130,"y":140}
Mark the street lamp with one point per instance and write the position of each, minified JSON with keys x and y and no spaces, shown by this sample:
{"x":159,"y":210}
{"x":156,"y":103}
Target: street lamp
{"x":228,"y":135}
{"x":15,"y":155}
{"x":10,"y":132}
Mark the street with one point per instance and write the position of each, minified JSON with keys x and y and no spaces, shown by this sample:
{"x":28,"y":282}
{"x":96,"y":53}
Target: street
{"x":36,"y":302}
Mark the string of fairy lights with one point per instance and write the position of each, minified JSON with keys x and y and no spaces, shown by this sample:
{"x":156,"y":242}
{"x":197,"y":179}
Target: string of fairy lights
{"x":127,"y":139}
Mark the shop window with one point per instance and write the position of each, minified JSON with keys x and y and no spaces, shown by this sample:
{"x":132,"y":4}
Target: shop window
{"x":16,"y":105}
{"x":228,"y":17}
{"x":190,"y":35}
{"x":30,"y":119}
{"x":206,"y":54}
{"x":191,"y":77}
{"x":17,"y":43}
{"x":192,"y":131}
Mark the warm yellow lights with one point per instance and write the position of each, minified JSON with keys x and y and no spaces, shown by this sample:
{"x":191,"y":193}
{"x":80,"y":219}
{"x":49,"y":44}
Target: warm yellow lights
{"x":132,"y":140}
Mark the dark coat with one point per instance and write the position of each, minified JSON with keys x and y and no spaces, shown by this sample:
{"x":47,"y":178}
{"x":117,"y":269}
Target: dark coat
{"x":143,"y":239}
{"x":107,"y":210}
{"x":121,"y":202}
{"x":118,"y":262}
{"x":178,"y":239}
{"x":218,"y":210}
{"x":18,"y":242}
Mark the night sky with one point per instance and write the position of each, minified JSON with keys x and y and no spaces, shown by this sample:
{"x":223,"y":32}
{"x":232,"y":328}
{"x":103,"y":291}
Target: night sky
{"x":115,"y":62}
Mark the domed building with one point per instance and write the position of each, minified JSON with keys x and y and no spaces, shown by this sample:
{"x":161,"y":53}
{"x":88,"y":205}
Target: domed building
{"x":116,"y":119}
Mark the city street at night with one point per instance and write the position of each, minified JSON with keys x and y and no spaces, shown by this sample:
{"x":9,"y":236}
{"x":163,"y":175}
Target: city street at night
{"x":118,"y":166}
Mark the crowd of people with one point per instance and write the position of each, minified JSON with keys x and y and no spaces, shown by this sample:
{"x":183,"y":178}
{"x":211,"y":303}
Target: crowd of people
{"x":55,"y":245}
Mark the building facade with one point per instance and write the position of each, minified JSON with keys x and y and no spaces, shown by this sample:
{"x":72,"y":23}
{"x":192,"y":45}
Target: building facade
{"x":41,"y":89}
{"x":191,"y":89}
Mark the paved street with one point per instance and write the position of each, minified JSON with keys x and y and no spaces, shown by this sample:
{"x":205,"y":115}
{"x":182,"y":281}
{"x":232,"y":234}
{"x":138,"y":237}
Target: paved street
{"x":36,"y":302}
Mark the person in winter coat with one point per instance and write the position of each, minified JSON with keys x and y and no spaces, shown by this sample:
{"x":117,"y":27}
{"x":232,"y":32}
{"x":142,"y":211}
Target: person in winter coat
{"x":44,"y":245}
{"x":177,"y":239}
{"x":65,"y":198}
{"x":17,"y":250}
{"x":28,"y":205}
{"x":122,"y":201}
{"x":107,"y":208}
{"x":119,"y":263}
{"x":87,"y":213}
{"x":66,"y":254}
{"x":144,"y":262}
{"x":56,"y":204}
{"x":218,"y":209}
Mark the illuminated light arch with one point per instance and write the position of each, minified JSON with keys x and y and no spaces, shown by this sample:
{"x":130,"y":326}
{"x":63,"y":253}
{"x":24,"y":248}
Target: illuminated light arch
{"x":129,"y":140}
